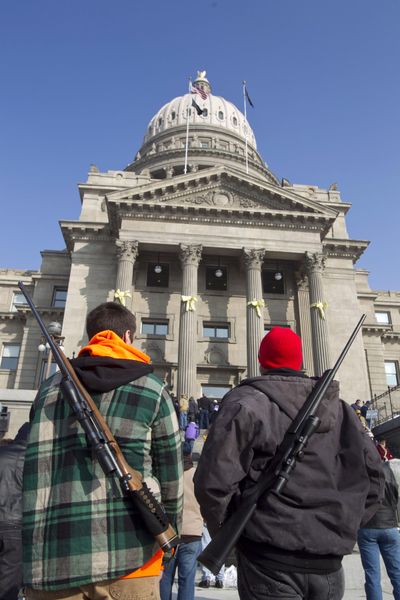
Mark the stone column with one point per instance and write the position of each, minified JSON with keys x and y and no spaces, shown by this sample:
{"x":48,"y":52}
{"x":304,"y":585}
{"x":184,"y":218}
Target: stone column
{"x":190,"y":257}
{"x":315,"y":264}
{"x":253,"y":260}
{"x":303,"y":300}
{"x":127,"y":252}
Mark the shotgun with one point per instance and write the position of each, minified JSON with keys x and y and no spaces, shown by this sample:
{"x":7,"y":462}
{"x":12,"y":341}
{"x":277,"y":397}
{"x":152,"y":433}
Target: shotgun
{"x":102,"y":442}
{"x":278,"y":471}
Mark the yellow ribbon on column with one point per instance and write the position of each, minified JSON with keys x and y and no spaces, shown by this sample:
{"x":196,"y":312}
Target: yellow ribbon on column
{"x":190,"y":302}
{"x":257,"y":304}
{"x":321,"y":307}
{"x":120,"y":296}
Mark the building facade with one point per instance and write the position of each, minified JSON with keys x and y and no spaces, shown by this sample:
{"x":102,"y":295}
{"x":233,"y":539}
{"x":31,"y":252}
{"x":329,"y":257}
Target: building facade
{"x":209,"y":250}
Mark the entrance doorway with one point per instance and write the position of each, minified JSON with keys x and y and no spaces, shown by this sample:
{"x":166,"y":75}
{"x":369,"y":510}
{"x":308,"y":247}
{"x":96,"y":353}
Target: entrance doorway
{"x":215,"y":391}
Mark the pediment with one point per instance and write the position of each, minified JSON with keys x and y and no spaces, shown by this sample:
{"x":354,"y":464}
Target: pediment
{"x":220,"y":189}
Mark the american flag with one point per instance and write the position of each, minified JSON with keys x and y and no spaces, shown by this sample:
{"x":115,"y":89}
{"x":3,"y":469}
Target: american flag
{"x":197,"y":90}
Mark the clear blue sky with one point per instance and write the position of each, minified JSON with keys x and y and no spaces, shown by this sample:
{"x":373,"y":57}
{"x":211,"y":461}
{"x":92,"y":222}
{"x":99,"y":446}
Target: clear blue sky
{"x":81,"y":79}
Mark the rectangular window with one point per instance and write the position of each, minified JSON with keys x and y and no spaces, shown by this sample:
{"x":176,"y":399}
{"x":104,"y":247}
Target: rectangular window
{"x":159,"y":328}
{"x":216,"y":331}
{"x":9,"y":356}
{"x":157,"y":274}
{"x":273,"y":282}
{"x":383,"y":317}
{"x":59,"y":297}
{"x":392,"y":372}
{"x":18,"y":301}
{"x":216,"y":278}
{"x":269,"y":326}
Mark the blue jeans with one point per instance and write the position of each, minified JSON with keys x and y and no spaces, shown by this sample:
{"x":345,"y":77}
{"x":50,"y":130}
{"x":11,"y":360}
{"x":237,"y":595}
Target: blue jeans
{"x":185,"y":559}
{"x":183,"y":420}
{"x":206,"y":574}
{"x":372,"y":543}
{"x":203,"y":418}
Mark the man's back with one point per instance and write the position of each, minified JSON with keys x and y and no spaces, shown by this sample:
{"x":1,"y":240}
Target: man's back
{"x":72,"y":512}
{"x":320,"y":509}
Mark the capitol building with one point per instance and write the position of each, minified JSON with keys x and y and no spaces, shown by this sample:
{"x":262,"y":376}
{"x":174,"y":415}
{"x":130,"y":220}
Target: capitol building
{"x":210,"y":250}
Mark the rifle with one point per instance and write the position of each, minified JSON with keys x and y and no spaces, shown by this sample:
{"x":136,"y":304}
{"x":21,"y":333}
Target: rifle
{"x":102,"y":442}
{"x":277,"y":474}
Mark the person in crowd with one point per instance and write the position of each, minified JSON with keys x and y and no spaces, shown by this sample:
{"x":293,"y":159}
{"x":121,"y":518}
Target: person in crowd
{"x":380,"y":536}
{"x":384,"y":450}
{"x":183,"y":411}
{"x":294,"y":543}
{"x":175,"y":403}
{"x":356,"y":405}
{"x":364,"y":408}
{"x":185,"y":557}
{"x":12,"y":455}
{"x":82,"y":538}
{"x":191,"y":434}
{"x":204,"y":412}
{"x":214,"y":408}
{"x":206,"y":576}
{"x":193,"y":409}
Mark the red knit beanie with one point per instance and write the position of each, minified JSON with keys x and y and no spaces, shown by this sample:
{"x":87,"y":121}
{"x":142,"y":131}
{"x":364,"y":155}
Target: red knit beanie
{"x":279,"y":349}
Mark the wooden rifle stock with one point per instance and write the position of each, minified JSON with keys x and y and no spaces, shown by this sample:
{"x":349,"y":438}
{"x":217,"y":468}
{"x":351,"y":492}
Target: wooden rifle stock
{"x":105,"y":446}
{"x":276,"y":475}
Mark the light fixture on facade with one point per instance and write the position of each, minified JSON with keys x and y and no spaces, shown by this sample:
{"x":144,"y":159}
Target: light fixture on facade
{"x":278,"y":276}
{"x":158,"y":267}
{"x":218,"y":271}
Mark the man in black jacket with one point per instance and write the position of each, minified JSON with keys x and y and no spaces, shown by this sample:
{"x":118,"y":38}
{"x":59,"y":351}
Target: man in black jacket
{"x":381,"y":536}
{"x":293,"y":545}
{"x":12,"y":457}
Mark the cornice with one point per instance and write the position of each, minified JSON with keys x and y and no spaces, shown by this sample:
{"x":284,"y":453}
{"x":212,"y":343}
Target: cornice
{"x":43,"y":310}
{"x":337,"y":248}
{"x":375,"y":329}
{"x":391,"y":335}
{"x":12,"y":316}
{"x":367,"y":295}
{"x":74,"y":231}
{"x":217,"y":216}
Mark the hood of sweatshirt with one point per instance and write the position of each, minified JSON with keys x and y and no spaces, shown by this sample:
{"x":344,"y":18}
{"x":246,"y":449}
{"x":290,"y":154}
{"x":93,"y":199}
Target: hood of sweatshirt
{"x":290,"y":391}
{"x":100,"y":374}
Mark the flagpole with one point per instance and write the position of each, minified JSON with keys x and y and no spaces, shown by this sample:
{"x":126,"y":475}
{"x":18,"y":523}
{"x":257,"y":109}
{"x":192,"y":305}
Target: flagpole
{"x":187,"y":128}
{"x":245,"y":124}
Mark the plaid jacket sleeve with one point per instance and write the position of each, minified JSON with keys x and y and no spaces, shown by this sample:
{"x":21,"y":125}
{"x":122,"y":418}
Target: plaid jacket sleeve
{"x":167,"y":459}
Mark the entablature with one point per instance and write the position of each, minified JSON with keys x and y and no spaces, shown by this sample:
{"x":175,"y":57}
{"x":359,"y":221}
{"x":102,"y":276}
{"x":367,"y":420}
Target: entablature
{"x":351,"y":249}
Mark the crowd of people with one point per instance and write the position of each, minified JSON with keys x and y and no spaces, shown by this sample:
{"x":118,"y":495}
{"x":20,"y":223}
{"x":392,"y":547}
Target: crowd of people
{"x":78,"y":537}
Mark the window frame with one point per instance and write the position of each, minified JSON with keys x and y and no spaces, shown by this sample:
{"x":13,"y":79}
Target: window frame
{"x":16,"y":358}
{"x":383,"y":312}
{"x":150,"y":269}
{"x":395,"y":374}
{"x":216,"y":325}
{"x":156,"y":322}
{"x":14,"y":306}
{"x":281,"y":282}
{"x":224,"y":270}
{"x":56,"y":289}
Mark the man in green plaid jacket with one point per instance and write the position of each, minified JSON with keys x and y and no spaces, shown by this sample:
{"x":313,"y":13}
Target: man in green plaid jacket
{"x":81,"y":538}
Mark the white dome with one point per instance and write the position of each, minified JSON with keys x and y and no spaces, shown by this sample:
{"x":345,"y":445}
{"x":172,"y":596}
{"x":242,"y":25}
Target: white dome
{"x":220,"y":113}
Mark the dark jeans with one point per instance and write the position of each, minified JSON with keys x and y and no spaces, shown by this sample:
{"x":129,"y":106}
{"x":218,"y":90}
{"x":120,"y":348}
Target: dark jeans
{"x":10,"y":562}
{"x":203,"y":419}
{"x":185,"y":559}
{"x":257,"y":584}
{"x":372,"y":543}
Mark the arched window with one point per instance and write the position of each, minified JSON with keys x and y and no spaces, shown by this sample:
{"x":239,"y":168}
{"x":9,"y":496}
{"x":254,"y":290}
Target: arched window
{"x":173,"y":115}
{"x":220,"y":115}
{"x":159,"y":122}
{"x":235,"y":121}
{"x":205,"y":112}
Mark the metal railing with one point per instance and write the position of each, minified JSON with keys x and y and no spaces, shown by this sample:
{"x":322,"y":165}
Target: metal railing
{"x":386,"y":405}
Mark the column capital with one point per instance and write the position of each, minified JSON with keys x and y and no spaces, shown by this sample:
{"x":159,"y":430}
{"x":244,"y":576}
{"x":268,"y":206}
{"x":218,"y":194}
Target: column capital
{"x":127,"y":249}
{"x":253,"y":258}
{"x":190,"y":255}
{"x":315,"y":262}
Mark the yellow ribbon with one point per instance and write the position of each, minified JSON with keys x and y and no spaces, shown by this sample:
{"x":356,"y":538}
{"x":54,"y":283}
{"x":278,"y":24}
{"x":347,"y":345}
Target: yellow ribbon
{"x":190,"y":302}
{"x":321,"y":306}
{"x":257,"y":304}
{"x":120,"y":296}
